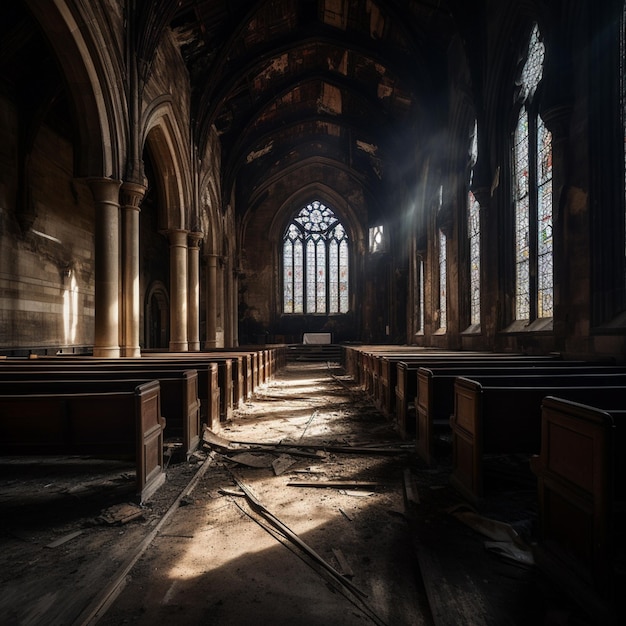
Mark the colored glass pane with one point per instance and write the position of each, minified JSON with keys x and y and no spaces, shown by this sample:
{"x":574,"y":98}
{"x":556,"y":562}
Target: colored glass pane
{"x":315,"y":278}
{"x":443,"y":309}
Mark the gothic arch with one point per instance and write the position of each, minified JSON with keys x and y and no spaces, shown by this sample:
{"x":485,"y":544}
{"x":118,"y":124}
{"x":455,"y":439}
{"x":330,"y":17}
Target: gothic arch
{"x":156,"y":316}
{"x":99,"y":118}
{"x":165,"y":142}
{"x":329,"y":196}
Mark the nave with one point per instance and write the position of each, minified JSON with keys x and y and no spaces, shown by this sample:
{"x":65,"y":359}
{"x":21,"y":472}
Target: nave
{"x":199,"y":554}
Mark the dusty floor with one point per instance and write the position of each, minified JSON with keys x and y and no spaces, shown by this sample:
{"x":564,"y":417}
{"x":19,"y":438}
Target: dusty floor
{"x":216,"y":559}
{"x":316,"y":535}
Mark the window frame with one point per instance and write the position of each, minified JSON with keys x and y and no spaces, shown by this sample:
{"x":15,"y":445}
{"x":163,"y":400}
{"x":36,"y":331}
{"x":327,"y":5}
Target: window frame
{"x":326,"y":236}
{"x":529,"y":105}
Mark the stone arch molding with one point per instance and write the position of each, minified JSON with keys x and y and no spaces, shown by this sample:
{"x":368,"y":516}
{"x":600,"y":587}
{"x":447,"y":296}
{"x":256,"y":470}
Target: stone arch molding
{"x":167,"y":147}
{"x":91,"y":76}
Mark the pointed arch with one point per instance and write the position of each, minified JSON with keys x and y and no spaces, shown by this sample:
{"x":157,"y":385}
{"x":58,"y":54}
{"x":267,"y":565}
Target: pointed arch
{"x":532,"y":194}
{"x":165,"y":142}
{"x":99,"y":118}
{"x":315,"y":262}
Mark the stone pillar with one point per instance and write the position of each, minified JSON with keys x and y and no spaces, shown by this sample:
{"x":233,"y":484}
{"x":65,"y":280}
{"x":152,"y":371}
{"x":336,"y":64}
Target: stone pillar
{"x":235,"y":308}
{"x":228,"y":304}
{"x":211,"y":301}
{"x":178,"y":290}
{"x":194,"y":239}
{"x":220,"y":330}
{"x":132,"y":195}
{"x":105,"y":193}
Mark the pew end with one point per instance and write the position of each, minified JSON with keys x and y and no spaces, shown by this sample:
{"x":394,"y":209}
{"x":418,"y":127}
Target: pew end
{"x":580,"y":489}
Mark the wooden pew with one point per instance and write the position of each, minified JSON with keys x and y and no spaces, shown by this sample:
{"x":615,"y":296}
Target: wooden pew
{"x":385,"y":370}
{"x":581,"y":479}
{"x":229,"y":374}
{"x":434,"y":400}
{"x":179,"y":393}
{"x":406,"y":381}
{"x":506,"y":418}
{"x":211,"y":394}
{"x":125,"y":424}
{"x":207,"y":381}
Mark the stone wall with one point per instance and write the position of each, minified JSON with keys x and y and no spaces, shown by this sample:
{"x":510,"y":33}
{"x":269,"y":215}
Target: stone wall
{"x":47,"y":268}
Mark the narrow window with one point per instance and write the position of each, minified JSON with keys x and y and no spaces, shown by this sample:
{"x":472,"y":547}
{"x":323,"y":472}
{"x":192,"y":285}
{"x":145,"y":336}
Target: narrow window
{"x":473,"y":234}
{"x":420,"y":294}
{"x":315,"y":262}
{"x":443,"y":273}
{"x":532,"y":188}
{"x":443,"y":311}
{"x":377,"y":241}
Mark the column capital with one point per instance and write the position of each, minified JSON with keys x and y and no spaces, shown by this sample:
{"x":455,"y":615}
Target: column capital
{"x":482,"y":195}
{"x":132,"y":195}
{"x":177,"y":237}
{"x":195,"y":237}
{"x":557,"y":120}
{"x":105,"y":190}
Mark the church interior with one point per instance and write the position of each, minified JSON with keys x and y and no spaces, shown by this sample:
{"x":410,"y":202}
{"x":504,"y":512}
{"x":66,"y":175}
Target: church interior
{"x":205,"y":193}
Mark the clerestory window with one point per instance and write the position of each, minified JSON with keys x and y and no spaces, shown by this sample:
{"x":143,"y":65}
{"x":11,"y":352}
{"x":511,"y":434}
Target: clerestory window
{"x":315,"y":262}
{"x":532,"y":191}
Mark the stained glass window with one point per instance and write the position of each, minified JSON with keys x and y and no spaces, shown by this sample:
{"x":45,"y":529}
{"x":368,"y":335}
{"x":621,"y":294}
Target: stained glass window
{"x":473,"y":233}
{"x":545,"y":307}
{"x":420,"y":291}
{"x":522,"y":226}
{"x":443,"y":309}
{"x":443,"y":274}
{"x":315,"y":262}
{"x":532,"y":197}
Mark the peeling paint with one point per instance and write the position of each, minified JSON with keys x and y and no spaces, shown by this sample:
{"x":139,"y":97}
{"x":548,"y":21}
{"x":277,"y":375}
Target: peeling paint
{"x":341,"y":67}
{"x":366,"y":147}
{"x":278,"y":66}
{"x":384,"y":91}
{"x":330,"y":100}
{"x":377,"y":21}
{"x":255,"y":154}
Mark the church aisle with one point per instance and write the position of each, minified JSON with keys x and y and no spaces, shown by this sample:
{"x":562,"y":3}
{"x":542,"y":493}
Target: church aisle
{"x":221,"y":560}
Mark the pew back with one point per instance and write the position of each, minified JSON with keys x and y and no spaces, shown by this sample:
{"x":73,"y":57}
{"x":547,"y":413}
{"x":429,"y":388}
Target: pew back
{"x":506,"y":419}
{"x":124,"y":423}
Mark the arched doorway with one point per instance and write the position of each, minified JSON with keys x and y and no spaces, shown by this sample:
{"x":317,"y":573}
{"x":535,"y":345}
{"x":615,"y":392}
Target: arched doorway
{"x":157,"y":316}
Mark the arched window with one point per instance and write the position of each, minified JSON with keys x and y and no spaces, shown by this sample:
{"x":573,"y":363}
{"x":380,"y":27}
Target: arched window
{"x":315,"y":262}
{"x":473,"y":235}
{"x":532,"y":185}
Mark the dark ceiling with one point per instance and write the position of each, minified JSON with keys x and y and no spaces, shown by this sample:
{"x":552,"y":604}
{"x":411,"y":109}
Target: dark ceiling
{"x":350,"y":83}
{"x":289,"y":81}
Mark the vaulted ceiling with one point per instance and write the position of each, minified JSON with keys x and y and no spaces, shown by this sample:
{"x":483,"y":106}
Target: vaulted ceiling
{"x":286,"y":82}
{"x":353,"y":84}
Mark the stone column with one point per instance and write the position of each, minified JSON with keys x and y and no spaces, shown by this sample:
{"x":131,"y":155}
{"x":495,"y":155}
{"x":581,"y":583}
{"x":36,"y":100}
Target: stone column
{"x":228,"y":304}
{"x":178,"y":290}
{"x":211,"y":301}
{"x":132,"y":195}
{"x":105,"y":193}
{"x":220,"y":298}
{"x":194,"y":239}
{"x":235,"y":308}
